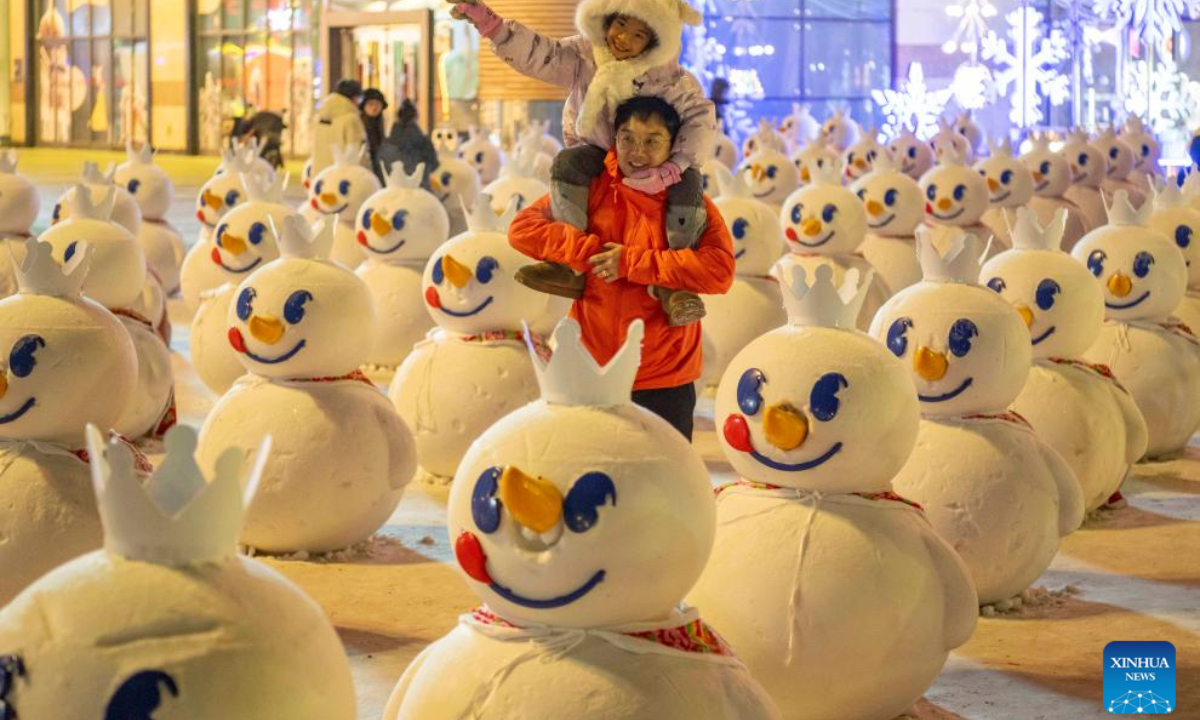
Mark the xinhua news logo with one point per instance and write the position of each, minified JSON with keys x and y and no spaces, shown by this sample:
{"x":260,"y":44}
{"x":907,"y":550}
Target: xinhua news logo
{"x":1139,"y":678}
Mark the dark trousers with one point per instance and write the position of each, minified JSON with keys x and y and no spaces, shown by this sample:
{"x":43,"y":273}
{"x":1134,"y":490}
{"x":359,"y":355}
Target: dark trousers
{"x":676,"y":405}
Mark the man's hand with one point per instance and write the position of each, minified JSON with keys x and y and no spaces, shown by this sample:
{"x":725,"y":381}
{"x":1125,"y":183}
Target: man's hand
{"x":654,"y":180}
{"x":606,"y":265}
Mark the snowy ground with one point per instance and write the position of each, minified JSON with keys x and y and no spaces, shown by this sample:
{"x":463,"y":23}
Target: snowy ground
{"x":1131,"y":575}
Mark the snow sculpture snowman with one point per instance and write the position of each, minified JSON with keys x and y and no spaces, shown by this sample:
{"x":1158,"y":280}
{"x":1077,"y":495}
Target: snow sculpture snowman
{"x":815,"y":157}
{"x":1051,"y":178}
{"x":1088,"y":170}
{"x":948,"y":138}
{"x":456,"y":185}
{"x":753,"y":304}
{"x":956,"y":195}
{"x":799,"y":128}
{"x":68,"y":363}
{"x":823,"y":224}
{"x":125,"y":213}
{"x":914,"y":157}
{"x":1144,"y":277}
{"x":551,"y":522}
{"x":860,"y":158}
{"x":725,"y":151}
{"x":971,"y":131}
{"x":115,"y":279}
{"x":1010,"y":187}
{"x":839,"y":131}
{"x":765,"y":138}
{"x":1177,"y":216}
{"x":518,"y":179}
{"x":167,"y":621}
{"x":338,"y":192}
{"x":970,"y":353}
{"x":1120,"y":165}
{"x":473,"y":369}
{"x":244,"y":241}
{"x":302,"y":325}
{"x":895,"y":207}
{"x":247,"y":157}
{"x":1146,"y":153}
{"x":151,"y":188}
{"x":816,"y":418}
{"x":401,"y":226}
{"x":480,"y":153}
{"x":19,"y":207}
{"x":770,"y":175}
{"x":220,"y":194}
{"x":1078,"y":409}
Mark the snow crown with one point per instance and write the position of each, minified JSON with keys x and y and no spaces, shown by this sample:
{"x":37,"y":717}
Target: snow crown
{"x":1167,"y":193}
{"x":524,"y":159}
{"x":39,"y":274}
{"x":768,"y":139}
{"x":821,"y":304}
{"x":730,"y":185}
{"x":348,"y":154}
{"x":397,"y":178}
{"x":1039,"y":142}
{"x":84,"y":207}
{"x":482,"y":218}
{"x":573,"y":377}
{"x":959,"y":259}
{"x":1003,"y":148}
{"x":947,"y":154}
{"x":177,"y":516}
{"x":93,"y":176}
{"x":8,"y":161}
{"x":1028,"y":233}
{"x":1122,"y":213}
{"x":239,"y":159}
{"x":1134,"y":125}
{"x":141,"y":155}
{"x":260,"y":188}
{"x":299,"y":241}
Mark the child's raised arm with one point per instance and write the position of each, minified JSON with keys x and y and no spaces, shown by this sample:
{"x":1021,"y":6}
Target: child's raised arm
{"x":566,"y":63}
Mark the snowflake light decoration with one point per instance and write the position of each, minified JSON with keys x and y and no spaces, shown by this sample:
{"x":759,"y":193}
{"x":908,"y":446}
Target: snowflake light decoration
{"x":972,"y":16}
{"x":1029,"y":73}
{"x":1170,"y":104}
{"x":1153,"y":21}
{"x":913,"y":106}
{"x":973,"y":86}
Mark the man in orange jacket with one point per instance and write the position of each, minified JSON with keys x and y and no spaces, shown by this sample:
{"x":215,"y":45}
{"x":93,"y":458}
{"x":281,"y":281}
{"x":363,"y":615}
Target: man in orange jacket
{"x":625,"y":251}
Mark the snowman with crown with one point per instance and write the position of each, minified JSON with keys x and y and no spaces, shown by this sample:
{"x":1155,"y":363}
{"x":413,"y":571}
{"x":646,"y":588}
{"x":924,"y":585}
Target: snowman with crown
{"x":338,"y":192}
{"x":115,"y":279}
{"x":19,"y":206}
{"x":914,"y":158}
{"x":67,"y":362}
{"x":243,"y":242}
{"x":990,"y":485}
{"x":1120,"y":165}
{"x":799,"y":128}
{"x":518,"y":179}
{"x":814,"y":157}
{"x":816,"y":418}
{"x":482,"y":154}
{"x":167,"y":621}
{"x":1088,"y":169}
{"x":839,"y":131}
{"x":1144,"y":277}
{"x":823,"y":224}
{"x":472,"y":369}
{"x":456,"y":185}
{"x":965,"y":125}
{"x":153,"y":191}
{"x":764,"y":137}
{"x":1146,"y":154}
{"x":551,"y":522}
{"x":947,"y":138}
{"x":126,"y":211}
{"x":1010,"y":187}
{"x":768,"y":172}
{"x":1177,"y":215}
{"x":219,"y":195}
{"x":1051,"y":178}
{"x":860,"y":158}
{"x":956,"y":195}
{"x":725,"y":151}
{"x":894,"y":206}
{"x":1079,"y":409}
{"x":399,"y":228}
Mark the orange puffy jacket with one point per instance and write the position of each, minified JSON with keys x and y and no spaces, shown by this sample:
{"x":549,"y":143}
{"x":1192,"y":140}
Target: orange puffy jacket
{"x":671,"y":356}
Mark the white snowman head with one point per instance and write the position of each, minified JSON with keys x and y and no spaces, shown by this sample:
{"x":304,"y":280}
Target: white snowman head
{"x":800,"y":128}
{"x":860,"y":158}
{"x":1059,"y":300}
{"x":753,"y":224}
{"x":969,"y":351}
{"x":765,"y":138}
{"x":817,"y":404}
{"x":839,"y":131}
{"x":1117,"y":152}
{"x":914,"y":157}
{"x":815,"y":157}
{"x":455,"y":183}
{"x":243,"y":239}
{"x":1089,"y":166}
{"x":518,"y":179}
{"x":149,"y":184}
{"x":403,"y":221}
{"x":1051,"y":171}
{"x":892,"y":199}
{"x":1143,"y":272}
{"x":770,"y":176}
{"x":948,"y":138}
{"x":1146,"y":150}
{"x":966,"y":126}
{"x":480,"y":153}
{"x":469,"y":282}
{"x":725,"y":151}
{"x":1009,"y":181}
{"x":955,"y":194}
{"x":554,"y":524}
{"x":125,"y":212}
{"x":118,"y":265}
{"x":445,"y":140}
{"x":824,"y":218}
{"x":541,"y":129}
{"x":340,"y":189}
{"x":302,"y":316}
{"x":66,"y":360}
{"x":223,"y":191}
{"x":19,"y":201}
{"x":1176,"y":216}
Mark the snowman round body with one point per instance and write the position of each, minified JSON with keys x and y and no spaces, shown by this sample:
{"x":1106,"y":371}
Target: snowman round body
{"x":805,"y":614}
{"x":480,"y":153}
{"x":456,"y":185}
{"x":208,"y":342}
{"x":152,"y":403}
{"x":526,"y":191}
{"x":1182,"y":224}
{"x":153,"y":191}
{"x":475,"y":368}
{"x":1088,"y":169}
{"x":125,"y":213}
{"x":771,"y":176}
{"x":991,"y":488}
{"x":164,"y":250}
{"x":213,"y":640}
{"x":726,"y":151}
{"x":340,"y":191}
{"x":1051,"y":179}
{"x":894,"y":206}
{"x":19,"y":207}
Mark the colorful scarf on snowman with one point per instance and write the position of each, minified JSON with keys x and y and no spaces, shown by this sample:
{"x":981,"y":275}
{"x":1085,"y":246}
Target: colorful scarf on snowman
{"x":1171,"y":325}
{"x":141,"y":463}
{"x":356,"y":376}
{"x":541,"y":347}
{"x":1011,"y":417}
{"x":1103,"y":371}
{"x":886,"y":495}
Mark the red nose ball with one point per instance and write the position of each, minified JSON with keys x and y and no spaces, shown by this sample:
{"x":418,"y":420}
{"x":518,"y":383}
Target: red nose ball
{"x":236,"y":340}
{"x":362,"y":238}
{"x":791,"y":235}
{"x":431,"y":297}
{"x":471,"y":558}
{"x":216,"y":256}
{"x":737,"y":433}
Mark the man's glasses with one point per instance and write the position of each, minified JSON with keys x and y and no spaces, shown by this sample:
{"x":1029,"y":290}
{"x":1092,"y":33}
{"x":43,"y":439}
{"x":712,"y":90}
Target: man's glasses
{"x":652,"y":144}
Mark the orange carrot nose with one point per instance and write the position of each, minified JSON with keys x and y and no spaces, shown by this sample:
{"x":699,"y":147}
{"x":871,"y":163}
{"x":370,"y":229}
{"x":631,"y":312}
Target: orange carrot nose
{"x":212,"y":200}
{"x":944,"y":204}
{"x":874,"y":208}
{"x":993,"y":186}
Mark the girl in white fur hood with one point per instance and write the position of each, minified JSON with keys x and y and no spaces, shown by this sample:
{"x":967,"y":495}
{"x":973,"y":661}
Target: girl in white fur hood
{"x":627,"y":48}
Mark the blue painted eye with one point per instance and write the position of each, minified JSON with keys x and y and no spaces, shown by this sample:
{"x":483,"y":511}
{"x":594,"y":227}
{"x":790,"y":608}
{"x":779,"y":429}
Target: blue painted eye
{"x":931,"y":192}
{"x":57,"y":214}
{"x":890,"y":197}
{"x":446,"y":178}
{"x":829,"y":212}
{"x":293,"y":309}
{"x":221,"y":230}
{"x":997,"y":284}
{"x":317,"y":188}
{"x":1047,"y":291}
{"x":1083,"y":159}
{"x":344,"y":187}
{"x":796,"y":213}
{"x":912,"y":152}
{"x":438,"y":274}
{"x":479,"y":158}
{"x":486,"y":268}
{"x":871,"y":155}
{"x":521,"y":199}
{"x":1112,"y":153}
{"x":862,"y":194}
{"x":485,"y":506}
{"x":960,"y":192}
{"x":133,"y":185}
{"x":749,"y":391}
{"x":771,"y":171}
{"x":1141,"y":264}
{"x":1095,"y":262}
{"x":961,"y":334}
{"x":20,"y":360}
{"x":70,"y":253}
{"x":1006,"y":177}
{"x":850,"y":159}
{"x":1044,"y":168}
{"x":897,"y":336}
{"x":739,"y":228}
{"x":257,"y":231}
{"x":1183,"y":236}
{"x":823,"y":400}
{"x":366,"y":219}
{"x":245,"y":304}
{"x":581,"y":506}
{"x":1145,"y":151}
{"x":231,"y":197}
{"x":399,"y":219}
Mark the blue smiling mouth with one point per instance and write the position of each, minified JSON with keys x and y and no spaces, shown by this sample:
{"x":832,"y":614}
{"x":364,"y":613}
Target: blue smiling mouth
{"x":797,"y":467}
{"x":241,"y":271}
{"x":335,"y":211}
{"x":948,"y":396}
{"x":738,"y":255}
{"x":468,"y":313}
{"x":1044,"y":335}
{"x":818,"y":243}
{"x":885,"y":223}
{"x":951,"y":216}
{"x":555,"y":602}
{"x":276,"y":360}
{"x":386,"y":251}
{"x":1126,"y":306}
{"x":16,"y":415}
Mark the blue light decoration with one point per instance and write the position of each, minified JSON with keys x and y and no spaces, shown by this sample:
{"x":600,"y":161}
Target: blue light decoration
{"x":912,"y":105}
{"x":1151,"y":21}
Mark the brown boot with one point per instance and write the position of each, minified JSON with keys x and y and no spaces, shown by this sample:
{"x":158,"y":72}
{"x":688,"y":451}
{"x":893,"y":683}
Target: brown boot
{"x":552,"y":279}
{"x":683,"y":308}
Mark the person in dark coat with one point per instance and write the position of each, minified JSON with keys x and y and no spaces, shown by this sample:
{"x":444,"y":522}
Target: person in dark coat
{"x":371,"y":106}
{"x":408,"y":144}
